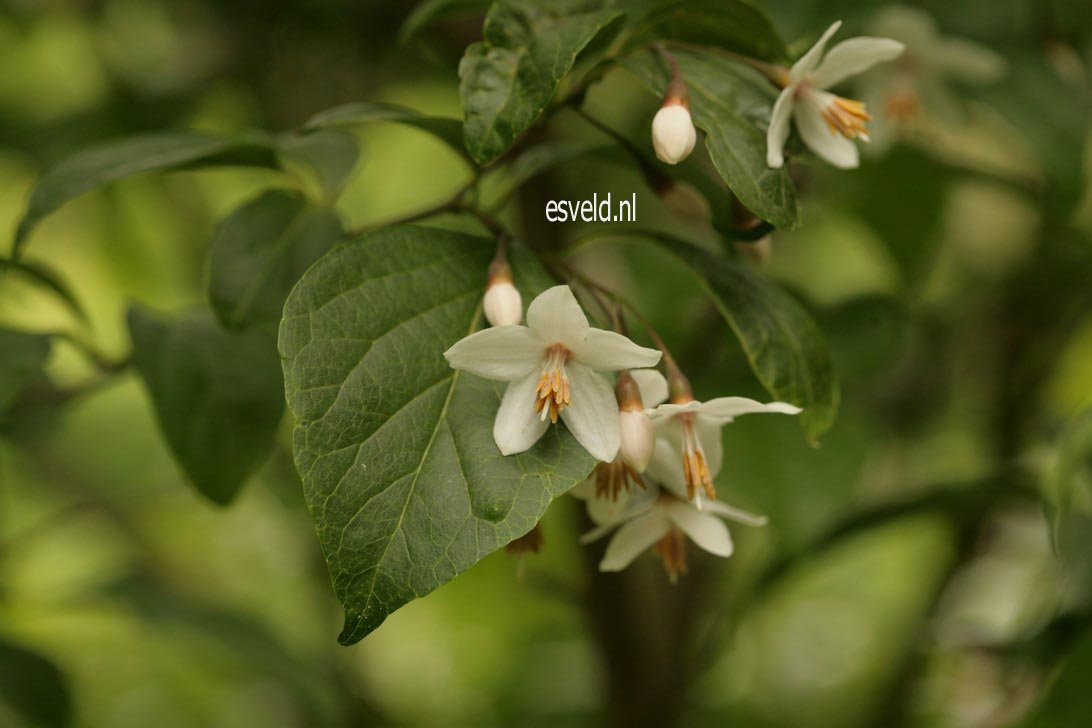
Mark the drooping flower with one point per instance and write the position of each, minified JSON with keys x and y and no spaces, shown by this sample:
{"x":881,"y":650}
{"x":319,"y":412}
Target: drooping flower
{"x":551,"y":366}
{"x":918,"y":89}
{"x":502,"y":303}
{"x":661,"y":520}
{"x":607,"y":490}
{"x":827,"y":123}
{"x":688,"y":452}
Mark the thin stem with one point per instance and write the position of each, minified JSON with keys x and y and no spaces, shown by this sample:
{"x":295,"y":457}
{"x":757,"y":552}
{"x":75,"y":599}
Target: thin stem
{"x":776,"y":73}
{"x":669,"y":361}
{"x":455,"y":203}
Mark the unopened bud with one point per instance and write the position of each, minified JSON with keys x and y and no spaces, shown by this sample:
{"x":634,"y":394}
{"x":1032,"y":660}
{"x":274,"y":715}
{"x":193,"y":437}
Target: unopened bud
{"x":502,"y":302}
{"x":638,"y":437}
{"x":673,"y":133}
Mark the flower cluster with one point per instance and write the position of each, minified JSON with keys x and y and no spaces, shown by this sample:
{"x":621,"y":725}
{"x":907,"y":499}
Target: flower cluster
{"x":659,"y":448}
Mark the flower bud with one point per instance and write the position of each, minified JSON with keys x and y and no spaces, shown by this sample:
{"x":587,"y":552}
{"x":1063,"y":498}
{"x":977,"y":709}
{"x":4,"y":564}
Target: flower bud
{"x":638,"y":437}
{"x":502,"y":302}
{"x":673,"y":134}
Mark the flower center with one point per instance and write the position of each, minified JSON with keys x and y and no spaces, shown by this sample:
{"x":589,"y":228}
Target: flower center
{"x":552,"y":392}
{"x":614,"y":478}
{"x":844,"y":116}
{"x":695,"y":467}
{"x":672,"y":550}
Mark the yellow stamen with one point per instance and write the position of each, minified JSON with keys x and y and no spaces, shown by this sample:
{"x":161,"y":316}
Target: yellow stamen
{"x":552,"y":393}
{"x":695,"y":468}
{"x":846,"y":117}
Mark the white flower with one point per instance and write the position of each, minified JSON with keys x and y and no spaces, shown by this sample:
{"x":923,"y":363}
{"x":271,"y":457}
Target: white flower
{"x":551,"y":367}
{"x":673,"y":133}
{"x":920,"y":85}
{"x":661,"y":519}
{"x":827,"y":123}
{"x":688,"y":452}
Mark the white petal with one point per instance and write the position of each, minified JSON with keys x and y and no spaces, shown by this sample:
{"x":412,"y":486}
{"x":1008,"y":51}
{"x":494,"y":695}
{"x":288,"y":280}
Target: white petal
{"x":633,"y":539}
{"x":598,"y":532}
{"x":854,"y":56}
{"x":593,"y":415}
{"x":829,"y":145}
{"x":707,"y":531}
{"x":502,"y":352}
{"x":555,"y":316}
{"x":607,"y":351}
{"x":605,"y":510}
{"x":778,"y":133}
{"x":807,"y":63}
{"x":518,"y":426}
{"x":666,"y":467}
{"x":725,"y":409}
{"x":735,"y":514}
{"x":652,"y":385}
{"x":669,"y":410}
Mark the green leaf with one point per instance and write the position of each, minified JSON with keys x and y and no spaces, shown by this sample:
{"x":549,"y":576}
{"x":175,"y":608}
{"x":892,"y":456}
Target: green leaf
{"x":329,"y":154}
{"x":218,"y":395}
{"x":261,"y":250}
{"x":21,"y":358}
{"x":404,"y":481}
{"x":116,"y":160}
{"x":447,"y":130}
{"x":731,"y":103}
{"x":32,"y":688}
{"x":735,"y":25}
{"x":508,"y":78}
{"x":44,"y":275}
{"x":782,"y":343}
{"x":431,"y":11}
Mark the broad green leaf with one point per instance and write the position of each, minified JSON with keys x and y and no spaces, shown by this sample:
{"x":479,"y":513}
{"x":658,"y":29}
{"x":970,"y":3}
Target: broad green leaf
{"x":261,"y":250}
{"x":542,"y":157}
{"x":44,"y":275}
{"x":731,"y":103}
{"x":736,"y":25}
{"x":217,"y":395}
{"x":507,"y":79}
{"x":116,"y":160}
{"x":431,"y":11}
{"x":329,"y":154}
{"x":21,"y":358}
{"x":783,"y":345}
{"x":32,"y":689}
{"x":446,"y":130}
{"x":404,"y":481}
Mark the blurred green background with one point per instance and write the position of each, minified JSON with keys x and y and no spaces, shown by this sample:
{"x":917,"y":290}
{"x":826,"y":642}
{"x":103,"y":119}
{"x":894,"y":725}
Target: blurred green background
{"x":918,"y":568}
